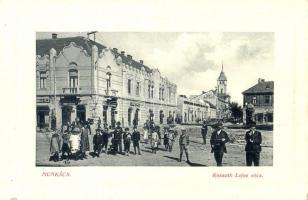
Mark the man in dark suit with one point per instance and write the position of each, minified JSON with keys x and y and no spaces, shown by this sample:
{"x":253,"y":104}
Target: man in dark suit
{"x":204,"y":132}
{"x":184,"y":143}
{"x":218,"y":141}
{"x":253,"y":145}
{"x":117,"y":137}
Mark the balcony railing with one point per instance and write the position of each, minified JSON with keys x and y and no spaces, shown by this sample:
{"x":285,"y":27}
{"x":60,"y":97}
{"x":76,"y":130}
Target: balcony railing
{"x":70,"y":90}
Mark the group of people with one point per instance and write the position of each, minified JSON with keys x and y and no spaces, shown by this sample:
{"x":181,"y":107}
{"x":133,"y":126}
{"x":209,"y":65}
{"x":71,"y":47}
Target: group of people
{"x":73,"y":141}
{"x":219,"y":138}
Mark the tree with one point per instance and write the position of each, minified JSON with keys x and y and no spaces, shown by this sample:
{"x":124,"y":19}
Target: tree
{"x":236,"y":111}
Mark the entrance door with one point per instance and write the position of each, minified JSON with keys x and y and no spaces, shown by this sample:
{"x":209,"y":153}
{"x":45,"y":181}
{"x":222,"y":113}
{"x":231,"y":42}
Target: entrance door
{"x":81,"y":113}
{"x":66,"y":114}
{"x":129,"y":116}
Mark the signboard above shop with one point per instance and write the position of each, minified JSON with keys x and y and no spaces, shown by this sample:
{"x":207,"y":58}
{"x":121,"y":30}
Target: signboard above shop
{"x":42,"y":100}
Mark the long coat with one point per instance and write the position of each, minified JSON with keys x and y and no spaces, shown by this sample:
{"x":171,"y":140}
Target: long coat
{"x":55,"y":143}
{"x":84,"y":140}
{"x":216,"y":141}
{"x":256,"y":138}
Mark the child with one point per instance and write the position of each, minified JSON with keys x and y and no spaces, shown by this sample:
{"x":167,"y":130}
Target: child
{"x":127,"y":139}
{"x":154,"y":141}
{"x":97,"y":142}
{"x":54,"y":147}
{"x":171,"y":137}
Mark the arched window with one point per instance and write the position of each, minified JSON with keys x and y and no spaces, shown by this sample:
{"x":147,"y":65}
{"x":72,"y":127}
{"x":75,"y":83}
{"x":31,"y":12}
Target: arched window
{"x":43,"y":77}
{"x":73,"y":80}
{"x":108,"y":79}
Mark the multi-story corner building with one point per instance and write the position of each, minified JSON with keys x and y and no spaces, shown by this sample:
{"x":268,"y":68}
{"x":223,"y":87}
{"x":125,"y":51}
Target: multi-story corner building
{"x":78,"y":78}
{"x":194,"y":111}
{"x":218,"y":97}
{"x":258,"y":102}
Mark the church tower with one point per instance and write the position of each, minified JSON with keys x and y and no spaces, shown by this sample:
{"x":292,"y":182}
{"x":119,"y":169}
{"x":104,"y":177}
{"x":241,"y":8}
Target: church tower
{"x":222,"y":82}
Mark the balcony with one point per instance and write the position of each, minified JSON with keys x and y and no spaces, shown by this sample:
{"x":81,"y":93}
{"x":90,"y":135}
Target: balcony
{"x":70,"y":91}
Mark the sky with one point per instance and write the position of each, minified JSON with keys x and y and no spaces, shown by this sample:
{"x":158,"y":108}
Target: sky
{"x":194,"y":60}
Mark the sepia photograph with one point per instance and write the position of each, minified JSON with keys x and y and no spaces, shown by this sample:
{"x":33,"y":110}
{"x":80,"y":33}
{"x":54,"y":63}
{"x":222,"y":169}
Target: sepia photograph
{"x":154,"y":99}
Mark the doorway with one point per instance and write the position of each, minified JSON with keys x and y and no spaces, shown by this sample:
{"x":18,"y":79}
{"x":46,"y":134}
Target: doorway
{"x":66,"y":114}
{"x":81,"y":113}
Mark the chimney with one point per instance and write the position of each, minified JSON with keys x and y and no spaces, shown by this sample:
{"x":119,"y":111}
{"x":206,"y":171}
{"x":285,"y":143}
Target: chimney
{"x":141,"y":62}
{"x":54,"y":36}
{"x":122,"y":53}
{"x":261,"y":80}
{"x":115,"y":50}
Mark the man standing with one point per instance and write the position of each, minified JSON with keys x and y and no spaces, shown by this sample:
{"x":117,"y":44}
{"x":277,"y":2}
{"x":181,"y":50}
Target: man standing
{"x":136,"y":139}
{"x":184,"y":143}
{"x":218,"y":142}
{"x":253,"y":145}
{"x":97,"y":142}
{"x":204,"y":132}
{"x":117,"y":136}
{"x":105,"y":136}
{"x":84,"y":142}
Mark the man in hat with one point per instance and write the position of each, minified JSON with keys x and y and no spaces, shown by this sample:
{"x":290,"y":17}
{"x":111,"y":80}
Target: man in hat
{"x":117,"y":138}
{"x":97,"y":142}
{"x":84,"y":141}
{"x":253,"y":145}
{"x":105,"y":136}
{"x":127,"y":140}
{"x":184,"y":143}
{"x":218,"y":142}
{"x":204,"y":132}
{"x":136,"y":139}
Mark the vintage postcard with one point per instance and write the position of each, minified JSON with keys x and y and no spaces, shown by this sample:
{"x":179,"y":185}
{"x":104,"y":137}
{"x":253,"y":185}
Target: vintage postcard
{"x":154,"y":99}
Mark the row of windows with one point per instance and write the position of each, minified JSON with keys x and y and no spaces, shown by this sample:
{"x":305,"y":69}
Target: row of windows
{"x":73,"y":83}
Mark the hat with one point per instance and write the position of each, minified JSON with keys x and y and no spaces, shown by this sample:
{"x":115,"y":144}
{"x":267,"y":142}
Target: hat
{"x":126,"y":129}
{"x":183,"y":129}
{"x":118,"y":123}
{"x":252,"y":124}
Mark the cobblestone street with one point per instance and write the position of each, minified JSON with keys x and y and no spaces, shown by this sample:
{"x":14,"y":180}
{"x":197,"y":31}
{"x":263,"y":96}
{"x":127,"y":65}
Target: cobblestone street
{"x":199,"y":154}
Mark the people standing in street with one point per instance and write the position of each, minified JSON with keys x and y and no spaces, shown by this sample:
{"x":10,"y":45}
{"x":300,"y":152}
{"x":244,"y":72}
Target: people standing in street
{"x":166,"y":139}
{"x":154,"y":141}
{"x":253,"y":145}
{"x":55,"y":146}
{"x":127,"y":140}
{"x":218,"y":141}
{"x":74,"y":141}
{"x":146,"y":128}
{"x":171,"y":138}
{"x":204,"y":131}
{"x":136,"y":139}
{"x":84,"y":142}
{"x":97,"y":142}
{"x":117,"y":138}
{"x":184,"y":144}
{"x":105,"y":135}
{"x":66,"y":152}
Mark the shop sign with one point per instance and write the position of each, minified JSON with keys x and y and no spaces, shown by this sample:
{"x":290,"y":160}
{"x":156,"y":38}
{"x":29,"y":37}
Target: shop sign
{"x":42,"y":100}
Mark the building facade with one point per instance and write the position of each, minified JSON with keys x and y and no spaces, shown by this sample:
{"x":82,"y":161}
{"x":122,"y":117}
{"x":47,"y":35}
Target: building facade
{"x":258,"y":103}
{"x":78,"y":78}
{"x":218,"y":97}
{"x":194,"y":111}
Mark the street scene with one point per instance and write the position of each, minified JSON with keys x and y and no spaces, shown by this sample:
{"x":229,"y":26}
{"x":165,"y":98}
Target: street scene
{"x":190,"y":99}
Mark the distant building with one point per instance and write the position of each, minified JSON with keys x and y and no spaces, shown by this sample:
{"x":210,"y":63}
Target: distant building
{"x":78,"y":78}
{"x":194,"y":111}
{"x":218,"y":97}
{"x":258,"y":102}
